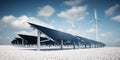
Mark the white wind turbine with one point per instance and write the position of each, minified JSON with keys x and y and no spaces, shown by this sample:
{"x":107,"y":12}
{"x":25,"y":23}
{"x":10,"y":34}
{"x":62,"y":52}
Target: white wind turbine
{"x":96,"y":25}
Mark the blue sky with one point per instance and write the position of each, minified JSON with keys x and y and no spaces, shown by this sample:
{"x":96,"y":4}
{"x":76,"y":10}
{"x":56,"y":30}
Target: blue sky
{"x":71,"y":16}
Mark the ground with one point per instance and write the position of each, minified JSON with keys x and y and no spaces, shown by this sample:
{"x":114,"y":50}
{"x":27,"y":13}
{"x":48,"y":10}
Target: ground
{"x":9,"y":52}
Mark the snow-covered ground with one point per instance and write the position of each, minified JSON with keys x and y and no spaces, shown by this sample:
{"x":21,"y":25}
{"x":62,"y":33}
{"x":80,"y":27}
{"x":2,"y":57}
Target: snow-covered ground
{"x":8,"y":52}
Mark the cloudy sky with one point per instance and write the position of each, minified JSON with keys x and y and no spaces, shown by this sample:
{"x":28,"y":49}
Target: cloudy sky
{"x":71,"y":16}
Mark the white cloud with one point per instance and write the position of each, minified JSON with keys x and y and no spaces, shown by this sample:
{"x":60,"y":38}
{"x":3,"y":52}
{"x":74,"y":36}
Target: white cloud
{"x":30,"y":32}
{"x":19,"y":24}
{"x":116,"y":18}
{"x":46,"y":11}
{"x":111,"y":10}
{"x":107,"y":34}
{"x":91,"y":30}
{"x":76,"y":13}
{"x":72,"y":2}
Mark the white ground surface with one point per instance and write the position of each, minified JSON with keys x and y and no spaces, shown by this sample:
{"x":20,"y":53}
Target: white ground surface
{"x":8,"y":52}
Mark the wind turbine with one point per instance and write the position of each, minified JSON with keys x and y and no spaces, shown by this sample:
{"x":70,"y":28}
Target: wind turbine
{"x":96,"y":24}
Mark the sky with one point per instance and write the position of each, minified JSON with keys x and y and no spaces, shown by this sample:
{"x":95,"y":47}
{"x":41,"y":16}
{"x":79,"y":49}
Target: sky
{"x":71,"y":16}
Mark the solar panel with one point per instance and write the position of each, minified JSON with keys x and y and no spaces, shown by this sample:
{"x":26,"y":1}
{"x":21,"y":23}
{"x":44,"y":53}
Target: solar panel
{"x":56,"y":35}
{"x":33,"y":39}
{"x":89,"y":41}
{"x":17,"y":41}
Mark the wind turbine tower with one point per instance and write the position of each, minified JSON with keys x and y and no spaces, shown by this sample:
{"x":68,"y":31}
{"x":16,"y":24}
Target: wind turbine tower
{"x":96,"y":24}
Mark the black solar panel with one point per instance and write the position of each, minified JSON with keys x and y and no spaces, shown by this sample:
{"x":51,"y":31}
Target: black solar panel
{"x":56,"y":35}
{"x":17,"y":41}
{"x":89,"y":41}
{"x":33,"y":39}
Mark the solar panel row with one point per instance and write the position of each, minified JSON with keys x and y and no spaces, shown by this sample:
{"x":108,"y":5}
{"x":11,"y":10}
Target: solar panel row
{"x":56,"y":37}
{"x":31,"y":40}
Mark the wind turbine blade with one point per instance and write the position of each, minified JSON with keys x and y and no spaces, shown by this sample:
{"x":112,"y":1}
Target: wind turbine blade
{"x":95,"y":14}
{"x":73,"y":26}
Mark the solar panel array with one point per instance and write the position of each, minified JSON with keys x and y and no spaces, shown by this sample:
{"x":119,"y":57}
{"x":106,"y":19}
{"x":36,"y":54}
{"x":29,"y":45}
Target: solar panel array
{"x":58,"y":36}
{"x":55,"y":38}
